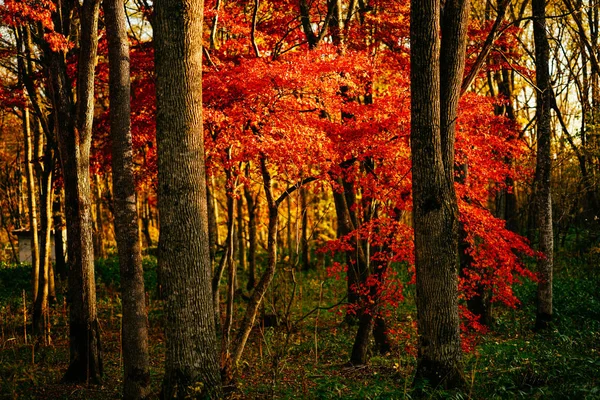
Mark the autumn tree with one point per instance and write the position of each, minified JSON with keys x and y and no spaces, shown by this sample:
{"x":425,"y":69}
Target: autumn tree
{"x":436,"y":75}
{"x":73,"y":124}
{"x":192,"y":357}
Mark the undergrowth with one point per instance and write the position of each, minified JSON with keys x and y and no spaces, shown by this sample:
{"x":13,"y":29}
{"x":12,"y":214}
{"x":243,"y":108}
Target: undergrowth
{"x":306,"y":355}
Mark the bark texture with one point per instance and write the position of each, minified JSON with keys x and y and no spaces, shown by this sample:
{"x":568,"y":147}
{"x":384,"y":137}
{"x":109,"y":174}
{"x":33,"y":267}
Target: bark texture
{"x":435,"y":211}
{"x":543,"y":164}
{"x":191,"y":368}
{"x":134,"y":337}
{"x":73,"y":125}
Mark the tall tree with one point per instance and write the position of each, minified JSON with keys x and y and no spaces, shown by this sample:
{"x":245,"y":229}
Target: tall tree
{"x":435,"y":210}
{"x":544,"y":102}
{"x":73,"y":124}
{"x":135,"y":319}
{"x":192,"y":356}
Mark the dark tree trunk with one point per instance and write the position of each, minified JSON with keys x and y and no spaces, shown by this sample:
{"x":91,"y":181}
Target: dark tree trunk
{"x":304,"y":248}
{"x":134,"y":336}
{"x":346,"y":222}
{"x":252,"y":204}
{"x":380,"y":334}
{"x":227,"y":258}
{"x":241,"y":247}
{"x":212,"y":222}
{"x":435,"y":211}
{"x":360,"y":348}
{"x":543,"y":164}
{"x":74,"y":132}
{"x":191,"y":367}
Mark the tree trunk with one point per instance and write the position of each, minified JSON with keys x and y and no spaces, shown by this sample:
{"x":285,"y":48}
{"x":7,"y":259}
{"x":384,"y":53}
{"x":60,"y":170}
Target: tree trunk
{"x":134,"y":336}
{"x":191,"y":367}
{"x":40,"y":309}
{"x":59,"y":235}
{"x":304,"y":248}
{"x":74,"y":126}
{"x":346,"y":223}
{"x":241,"y":247}
{"x":98,"y":228}
{"x":31,"y":201}
{"x":543,"y":164}
{"x":230,"y":364}
{"x":252,"y":205}
{"x":227,"y":257}
{"x":213,"y":226}
{"x":435,"y":211}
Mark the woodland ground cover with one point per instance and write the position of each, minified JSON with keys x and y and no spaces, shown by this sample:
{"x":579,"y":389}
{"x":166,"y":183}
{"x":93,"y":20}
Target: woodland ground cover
{"x":307,"y":358}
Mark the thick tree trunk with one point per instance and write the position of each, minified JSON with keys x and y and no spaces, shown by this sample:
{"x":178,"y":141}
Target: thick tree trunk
{"x":435,"y":211}
{"x":191,"y":367}
{"x":543,"y":164}
{"x":134,"y":337}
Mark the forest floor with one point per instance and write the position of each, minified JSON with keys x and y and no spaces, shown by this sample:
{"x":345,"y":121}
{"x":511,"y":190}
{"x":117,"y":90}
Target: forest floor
{"x":309,"y":359}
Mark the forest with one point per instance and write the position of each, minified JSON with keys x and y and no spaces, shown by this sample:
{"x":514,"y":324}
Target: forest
{"x":299,"y":199}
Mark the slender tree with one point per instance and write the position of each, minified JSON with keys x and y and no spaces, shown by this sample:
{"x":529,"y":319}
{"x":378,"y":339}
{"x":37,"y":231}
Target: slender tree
{"x":192,"y":367}
{"x":135,"y":319}
{"x":73,"y":124}
{"x":435,"y":210}
{"x":543,"y":171}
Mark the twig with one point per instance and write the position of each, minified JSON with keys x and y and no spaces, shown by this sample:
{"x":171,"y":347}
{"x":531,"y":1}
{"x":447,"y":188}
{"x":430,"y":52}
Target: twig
{"x":339,"y":303}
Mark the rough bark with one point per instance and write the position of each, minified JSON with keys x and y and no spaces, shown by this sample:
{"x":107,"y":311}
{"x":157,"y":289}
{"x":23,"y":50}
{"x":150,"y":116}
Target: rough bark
{"x":435,"y":211}
{"x":191,"y":367}
{"x":544,"y":98}
{"x":134,"y":336}
{"x":73,"y":124}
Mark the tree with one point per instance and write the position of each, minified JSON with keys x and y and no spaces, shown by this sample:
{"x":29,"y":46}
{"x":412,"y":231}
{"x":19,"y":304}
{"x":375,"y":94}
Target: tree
{"x":435,"y":210}
{"x":192,"y":357}
{"x":544,"y":102}
{"x":73,"y":123}
{"x":135,"y":319}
